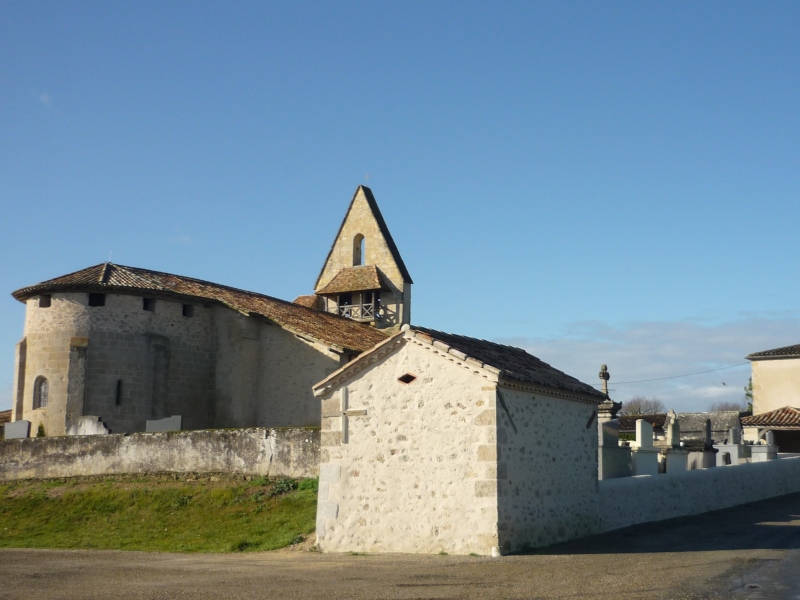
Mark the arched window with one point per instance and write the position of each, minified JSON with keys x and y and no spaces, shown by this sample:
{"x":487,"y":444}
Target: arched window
{"x":40,"y":389}
{"x":359,"y":250}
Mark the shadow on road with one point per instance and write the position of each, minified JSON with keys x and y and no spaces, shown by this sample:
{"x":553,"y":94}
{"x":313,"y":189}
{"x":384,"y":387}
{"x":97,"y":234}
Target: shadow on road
{"x":772,"y":524}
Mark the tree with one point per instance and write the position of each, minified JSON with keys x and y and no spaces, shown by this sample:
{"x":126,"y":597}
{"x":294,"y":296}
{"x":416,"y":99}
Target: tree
{"x":748,"y":394}
{"x":640,"y":405}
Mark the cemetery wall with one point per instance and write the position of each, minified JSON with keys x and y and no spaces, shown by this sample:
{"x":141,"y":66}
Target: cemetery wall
{"x":290,"y":452}
{"x":630,"y":500}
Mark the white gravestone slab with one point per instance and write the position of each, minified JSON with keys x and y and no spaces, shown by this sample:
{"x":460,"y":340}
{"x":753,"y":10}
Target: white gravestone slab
{"x":18,"y":429}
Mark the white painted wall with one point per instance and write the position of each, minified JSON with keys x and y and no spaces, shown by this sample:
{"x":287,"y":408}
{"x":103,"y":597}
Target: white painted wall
{"x":630,"y":500}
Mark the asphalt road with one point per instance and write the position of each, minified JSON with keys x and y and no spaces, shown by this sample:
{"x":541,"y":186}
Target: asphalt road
{"x":752,"y":552}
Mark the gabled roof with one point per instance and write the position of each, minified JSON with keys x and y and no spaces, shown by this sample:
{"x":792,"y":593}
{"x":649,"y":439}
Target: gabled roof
{"x":507,"y":364}
{"x":785,"y":352}
{"x":309,"y":301}
{"x":376,"y":214}
{"x":721,"y":421}
{"x":5,"y":416}
{"x":355,"y":279}
{"x":782,"y":417}
{"x":108,"y":277}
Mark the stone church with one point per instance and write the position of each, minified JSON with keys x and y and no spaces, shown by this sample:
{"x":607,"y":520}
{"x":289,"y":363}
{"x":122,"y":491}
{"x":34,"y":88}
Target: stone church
{"x":127,"y":345}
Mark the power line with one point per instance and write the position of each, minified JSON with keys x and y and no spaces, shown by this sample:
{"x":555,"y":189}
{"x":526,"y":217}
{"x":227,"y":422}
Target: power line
{"x":679,"y":376}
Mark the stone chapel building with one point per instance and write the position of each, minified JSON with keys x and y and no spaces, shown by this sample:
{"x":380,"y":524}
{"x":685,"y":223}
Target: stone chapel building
{"x":128,"y":345}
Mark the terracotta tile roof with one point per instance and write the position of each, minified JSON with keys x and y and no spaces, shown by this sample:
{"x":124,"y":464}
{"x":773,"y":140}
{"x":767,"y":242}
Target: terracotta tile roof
{"x":354,"y":279}
{"x":108,"y":277}
{"x":5,"y":416}
{"x":514,"y":364}
{"x":782,"y":417}
{"x":310,"y":301}
{"x":627,"y":423}
{"x":785,"y":352}
{"x":376,"y":213}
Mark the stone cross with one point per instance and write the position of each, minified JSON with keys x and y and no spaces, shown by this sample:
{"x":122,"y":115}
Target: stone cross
{"x":673,"y":429}
{"x":345,"y":413}
{"x":604,"y":377}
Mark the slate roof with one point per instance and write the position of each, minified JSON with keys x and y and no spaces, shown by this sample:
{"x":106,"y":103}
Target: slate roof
{"x":627,"y":423}
{"x":110,"y":278}
{"x":376,"y":213}
{"x":782,"y":417}
{"x":785,"y":352}
{"x":721,"y":421}
{"x":354,"y":279}
{"x":514,"y":364}
{"x":5,"y":416}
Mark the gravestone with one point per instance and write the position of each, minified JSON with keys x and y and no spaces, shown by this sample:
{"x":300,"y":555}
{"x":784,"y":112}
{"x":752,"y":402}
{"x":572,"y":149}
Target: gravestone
{"x":172,"y":423}
{"x":733,"y":447}
{"x":766,"y":450}
{"x":674,"y":457}
{"x":705,"y":457}
{"x":87,"y":425}
{"x":16,"y":430}
{"x":644,"y":456}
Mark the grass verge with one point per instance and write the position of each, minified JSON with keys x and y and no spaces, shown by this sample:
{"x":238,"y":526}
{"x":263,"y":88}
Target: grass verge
{"x":158,"y":513}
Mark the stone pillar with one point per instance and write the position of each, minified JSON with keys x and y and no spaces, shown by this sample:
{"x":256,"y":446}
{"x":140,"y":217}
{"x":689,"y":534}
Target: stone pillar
{"x":19,"y":380}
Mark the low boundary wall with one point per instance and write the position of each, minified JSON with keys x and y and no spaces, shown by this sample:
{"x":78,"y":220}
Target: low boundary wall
{"x":631,"y":500}
{"x":290,"y":452}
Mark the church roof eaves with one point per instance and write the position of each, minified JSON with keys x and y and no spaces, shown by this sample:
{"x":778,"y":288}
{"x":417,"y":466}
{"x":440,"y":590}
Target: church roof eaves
{"x":508,"y":366}
{"x":376,"y":213}
{"x":323,"y":327}
{"x":784,"y":352}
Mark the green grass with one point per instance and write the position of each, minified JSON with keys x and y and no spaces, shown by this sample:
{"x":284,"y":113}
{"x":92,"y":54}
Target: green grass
{"x":157,"y":513}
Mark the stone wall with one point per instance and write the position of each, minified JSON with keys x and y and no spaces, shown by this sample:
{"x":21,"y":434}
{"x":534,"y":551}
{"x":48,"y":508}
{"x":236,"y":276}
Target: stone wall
{"x":256,"y":451}
{"x":417,"y":472}
{"x":630,"y":500}
{"x":547,"y":470}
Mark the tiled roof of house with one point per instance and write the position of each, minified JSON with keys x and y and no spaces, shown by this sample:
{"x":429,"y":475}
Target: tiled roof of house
{"x":108,"y":277}
{"x":514,"y":364}
{"x":782,"y":417}
{"x":310,"y":301}
{"x":627,"y":423}
{"x":5,"y":416}
{"x":354,"y":279}
{"x":785,"y":352}
{"x":376,"y":213}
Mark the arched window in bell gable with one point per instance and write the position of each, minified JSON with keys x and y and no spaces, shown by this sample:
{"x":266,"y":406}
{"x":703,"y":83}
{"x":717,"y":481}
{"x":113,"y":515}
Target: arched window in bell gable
{"x":359,"y":250}
{"x":40,"y":391}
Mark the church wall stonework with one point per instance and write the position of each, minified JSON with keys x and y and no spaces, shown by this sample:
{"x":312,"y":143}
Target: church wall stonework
{"x":418,"y":471}
{"x":121,"y":341}
{"x":547,"y":470}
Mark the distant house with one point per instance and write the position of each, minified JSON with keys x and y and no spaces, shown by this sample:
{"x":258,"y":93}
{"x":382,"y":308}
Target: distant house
{"x":776,"y":397}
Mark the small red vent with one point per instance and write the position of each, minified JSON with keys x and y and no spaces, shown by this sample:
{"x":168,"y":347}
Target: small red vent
{"x":407,"y":378}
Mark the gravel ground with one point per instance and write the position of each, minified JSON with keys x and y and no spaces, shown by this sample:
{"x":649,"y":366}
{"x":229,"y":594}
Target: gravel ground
{"x":745,"y":552}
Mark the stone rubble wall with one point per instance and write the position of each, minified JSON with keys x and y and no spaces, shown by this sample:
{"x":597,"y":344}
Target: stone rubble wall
{"x":291,"y":452}
{"x":630,"y":500}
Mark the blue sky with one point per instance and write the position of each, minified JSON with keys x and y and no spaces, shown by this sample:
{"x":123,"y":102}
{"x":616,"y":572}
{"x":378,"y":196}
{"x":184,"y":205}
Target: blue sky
{"x":596,"y":182}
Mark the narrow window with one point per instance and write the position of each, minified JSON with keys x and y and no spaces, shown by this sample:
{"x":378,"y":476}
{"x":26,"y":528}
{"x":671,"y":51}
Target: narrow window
{"x":118,"y":393}
{"x":149,"y":304}
{"x":188,"y":310}
{"x":407,"y":378}
{"x":40,"y":389}
{"x":44,"y":300}
{"x":359,"y":250}
{"x":97,"y":299}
